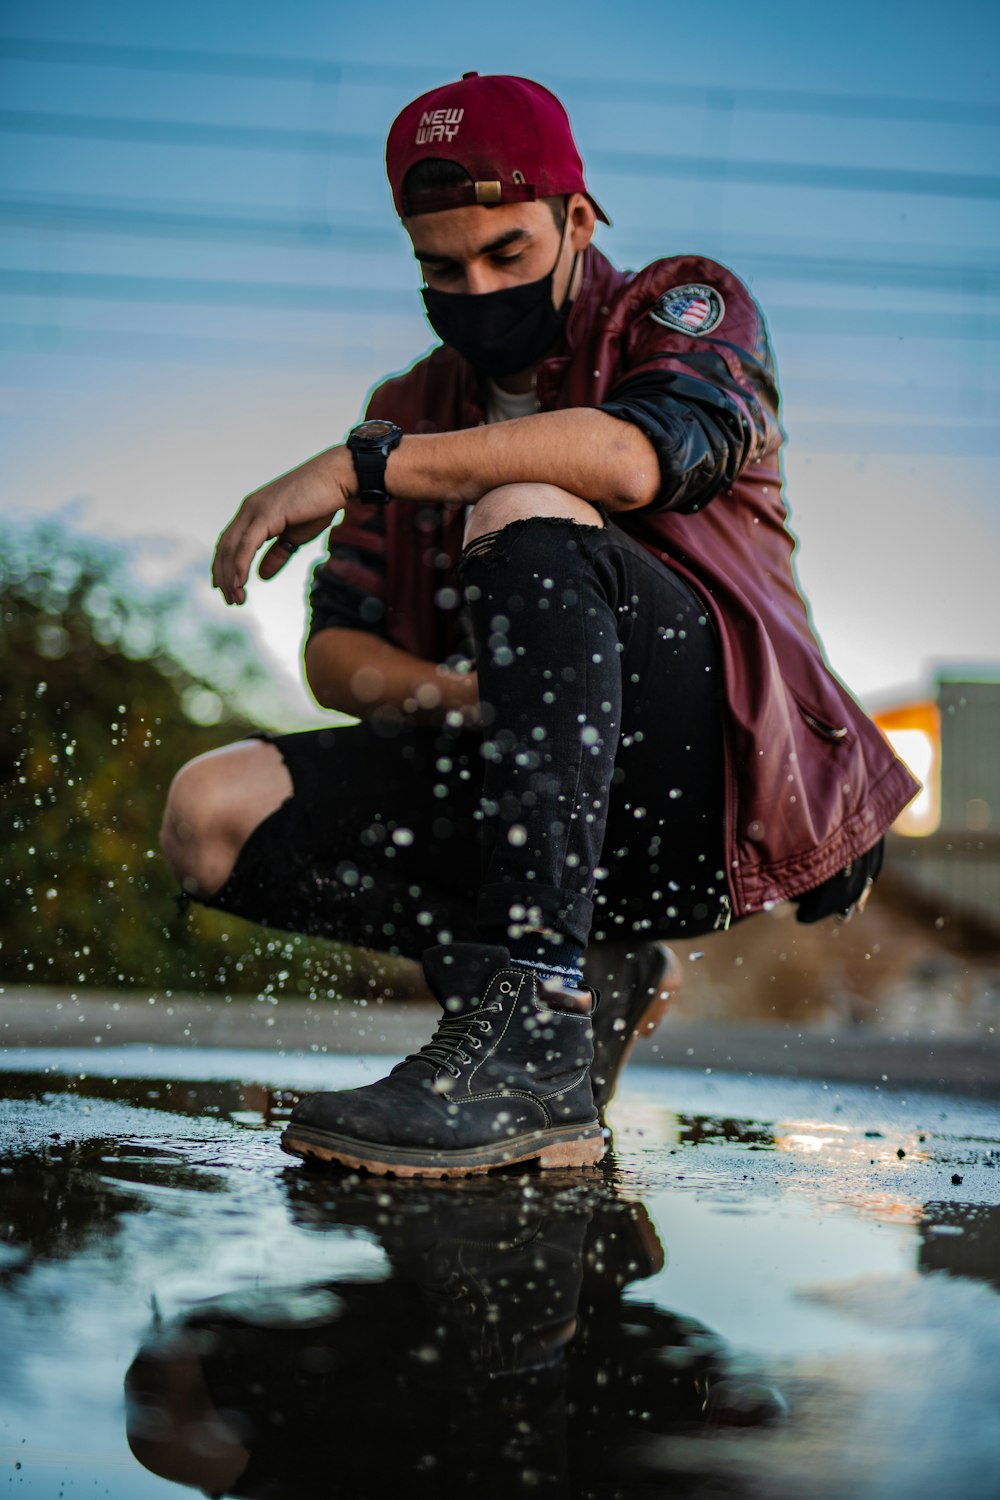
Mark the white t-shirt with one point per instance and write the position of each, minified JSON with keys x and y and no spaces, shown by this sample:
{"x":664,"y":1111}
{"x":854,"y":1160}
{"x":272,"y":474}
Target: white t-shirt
{"x":504,"y":406}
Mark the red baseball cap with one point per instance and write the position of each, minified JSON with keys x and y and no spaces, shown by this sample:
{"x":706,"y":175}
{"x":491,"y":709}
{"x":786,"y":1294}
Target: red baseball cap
{"x":512,"y":136}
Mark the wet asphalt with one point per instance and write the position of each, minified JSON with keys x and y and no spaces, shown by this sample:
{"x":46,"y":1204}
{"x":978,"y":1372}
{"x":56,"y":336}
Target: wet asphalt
{"x":773,"y":1287}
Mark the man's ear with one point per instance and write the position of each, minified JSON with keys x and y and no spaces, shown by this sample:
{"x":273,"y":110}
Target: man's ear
{"x":582,"y":221}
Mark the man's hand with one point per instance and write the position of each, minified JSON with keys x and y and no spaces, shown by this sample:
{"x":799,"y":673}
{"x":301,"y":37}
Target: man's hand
{"x":297,"y":507}
{"x":362,"y":674}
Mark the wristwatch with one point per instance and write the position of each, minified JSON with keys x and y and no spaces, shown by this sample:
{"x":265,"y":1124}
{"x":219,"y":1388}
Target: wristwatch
{"x":370,"y":444}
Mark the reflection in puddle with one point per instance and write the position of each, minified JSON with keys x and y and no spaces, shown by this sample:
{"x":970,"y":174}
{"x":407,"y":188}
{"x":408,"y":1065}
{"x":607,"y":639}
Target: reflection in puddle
{"x":698,"y":1130}
{"x":252,"y":1104}
{"x":498,"y":1353}
{"x":745,"y":1298}
{"x":977,"y":1228}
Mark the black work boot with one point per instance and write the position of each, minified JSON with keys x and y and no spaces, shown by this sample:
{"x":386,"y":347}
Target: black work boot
{"x":505,"y":1078}
{"x":636,"y":981}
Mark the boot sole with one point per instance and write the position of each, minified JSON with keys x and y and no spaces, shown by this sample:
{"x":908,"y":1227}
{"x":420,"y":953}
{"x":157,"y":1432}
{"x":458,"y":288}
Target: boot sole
{"x":570,"y":1147}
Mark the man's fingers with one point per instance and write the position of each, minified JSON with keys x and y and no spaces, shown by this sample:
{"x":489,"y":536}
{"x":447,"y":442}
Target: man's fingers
{"x":218,"y":560}
{"x":275,"y":557}
{"x":223,"y":569}
{"x":247,"y":546}
{"x":225,"y":550}
{"x":234,"y":555}
{"x":229,"y":572}
{"x":220,"y":569}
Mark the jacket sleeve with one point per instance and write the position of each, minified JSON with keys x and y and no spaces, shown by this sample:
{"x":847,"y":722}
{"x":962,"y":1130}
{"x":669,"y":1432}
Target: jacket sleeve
{"x":348,"y":586}
{"x":707,"y":400}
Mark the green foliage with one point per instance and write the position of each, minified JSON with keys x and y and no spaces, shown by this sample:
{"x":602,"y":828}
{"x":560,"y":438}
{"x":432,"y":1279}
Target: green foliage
{"x":106,"y":689}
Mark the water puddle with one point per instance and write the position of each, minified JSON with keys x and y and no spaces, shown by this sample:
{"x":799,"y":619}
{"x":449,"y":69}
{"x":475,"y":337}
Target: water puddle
{"x":770,"y":1289}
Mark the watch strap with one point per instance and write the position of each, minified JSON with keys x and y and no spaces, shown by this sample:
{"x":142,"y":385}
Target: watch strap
{"x":370,"y":452}
{"x":369,"y":466}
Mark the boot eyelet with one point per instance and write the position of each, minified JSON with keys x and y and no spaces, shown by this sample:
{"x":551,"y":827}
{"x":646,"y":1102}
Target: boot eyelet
{"x":475,"y":1042}
{"x":505,"y":987}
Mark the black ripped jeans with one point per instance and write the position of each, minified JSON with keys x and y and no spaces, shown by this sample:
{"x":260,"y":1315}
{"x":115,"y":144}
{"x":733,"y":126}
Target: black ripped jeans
{"x":591,"y":802}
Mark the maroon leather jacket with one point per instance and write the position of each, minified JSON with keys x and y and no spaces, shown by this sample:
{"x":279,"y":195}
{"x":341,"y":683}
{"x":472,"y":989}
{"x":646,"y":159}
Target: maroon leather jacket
{"x":811,"y":783}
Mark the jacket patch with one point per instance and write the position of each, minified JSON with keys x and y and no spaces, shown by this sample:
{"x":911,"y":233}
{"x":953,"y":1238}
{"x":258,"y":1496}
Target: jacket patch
{"x":689,"y":309}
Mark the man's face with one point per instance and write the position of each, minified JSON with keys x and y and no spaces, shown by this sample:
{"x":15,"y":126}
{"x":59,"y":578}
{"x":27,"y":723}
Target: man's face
{"x":478,"y":249}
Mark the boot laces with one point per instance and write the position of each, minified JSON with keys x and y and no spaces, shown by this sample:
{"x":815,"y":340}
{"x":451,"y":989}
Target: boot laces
{"x":453,"y":1036}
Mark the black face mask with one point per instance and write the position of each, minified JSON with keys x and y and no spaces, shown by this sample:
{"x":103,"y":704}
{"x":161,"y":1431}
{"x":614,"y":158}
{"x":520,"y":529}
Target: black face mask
{"x":501,"y":332}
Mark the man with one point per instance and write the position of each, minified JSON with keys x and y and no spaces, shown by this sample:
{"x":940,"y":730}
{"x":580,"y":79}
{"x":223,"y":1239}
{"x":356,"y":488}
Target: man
{"x":579,"y":496}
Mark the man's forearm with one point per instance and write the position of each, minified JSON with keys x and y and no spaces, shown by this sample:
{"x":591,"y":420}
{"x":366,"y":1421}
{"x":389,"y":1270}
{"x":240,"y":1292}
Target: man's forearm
{"x":581,"y":449}
{"x":359,"y":673}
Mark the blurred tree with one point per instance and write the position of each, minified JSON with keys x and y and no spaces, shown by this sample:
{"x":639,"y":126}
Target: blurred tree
{"x":105,"y":690}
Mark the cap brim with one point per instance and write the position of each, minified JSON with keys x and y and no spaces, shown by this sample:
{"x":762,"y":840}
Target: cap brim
{"x":598,"y":210}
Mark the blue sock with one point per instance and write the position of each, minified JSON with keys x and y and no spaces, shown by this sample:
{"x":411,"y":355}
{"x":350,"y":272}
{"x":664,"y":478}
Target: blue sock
{"x":550,"y":955}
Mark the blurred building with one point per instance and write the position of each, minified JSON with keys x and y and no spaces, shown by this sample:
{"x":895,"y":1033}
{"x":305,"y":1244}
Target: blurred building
{"x":945,"y":847}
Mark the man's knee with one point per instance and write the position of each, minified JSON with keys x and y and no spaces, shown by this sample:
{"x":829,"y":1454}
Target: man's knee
{"x":521,"y":502}
{"x":214,"y":804}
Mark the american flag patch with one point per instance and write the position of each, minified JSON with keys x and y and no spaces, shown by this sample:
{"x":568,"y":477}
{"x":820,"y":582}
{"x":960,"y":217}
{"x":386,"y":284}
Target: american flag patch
{"x":689,"y":309}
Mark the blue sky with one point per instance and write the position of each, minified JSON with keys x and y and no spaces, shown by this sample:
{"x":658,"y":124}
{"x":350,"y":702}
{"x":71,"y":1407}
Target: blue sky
{"x":201,"y":276}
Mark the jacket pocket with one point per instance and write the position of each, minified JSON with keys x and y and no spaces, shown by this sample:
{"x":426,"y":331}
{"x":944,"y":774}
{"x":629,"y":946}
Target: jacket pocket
{"x":823,"y":724}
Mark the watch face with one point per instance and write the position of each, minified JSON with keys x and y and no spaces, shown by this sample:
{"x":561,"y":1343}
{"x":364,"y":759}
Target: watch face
{"x":375,"y":431}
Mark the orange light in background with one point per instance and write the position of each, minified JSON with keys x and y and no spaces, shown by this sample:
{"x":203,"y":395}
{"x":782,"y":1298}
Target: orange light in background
{"x":914,"y":732}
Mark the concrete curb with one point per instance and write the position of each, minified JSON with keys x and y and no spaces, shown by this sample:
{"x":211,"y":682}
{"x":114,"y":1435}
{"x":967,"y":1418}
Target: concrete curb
{"x":49,"y":1018}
